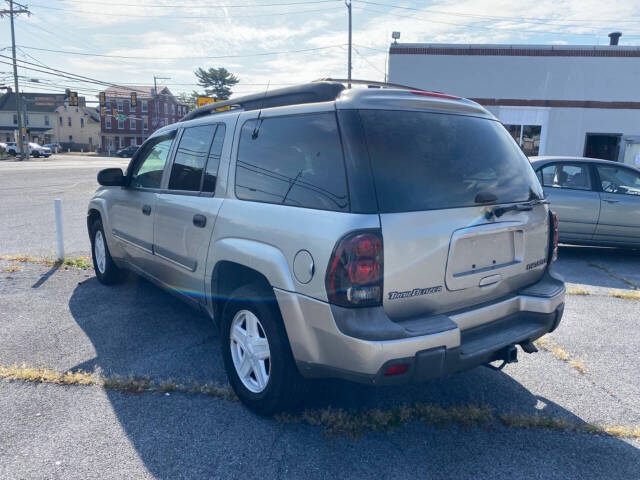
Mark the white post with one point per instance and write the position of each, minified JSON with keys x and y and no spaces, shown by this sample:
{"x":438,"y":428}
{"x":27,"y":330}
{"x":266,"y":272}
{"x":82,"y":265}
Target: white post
{"x":57,"y":207}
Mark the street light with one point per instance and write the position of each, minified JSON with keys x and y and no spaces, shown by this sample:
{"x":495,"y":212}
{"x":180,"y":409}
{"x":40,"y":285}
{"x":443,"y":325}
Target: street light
{"x":395,"y":36}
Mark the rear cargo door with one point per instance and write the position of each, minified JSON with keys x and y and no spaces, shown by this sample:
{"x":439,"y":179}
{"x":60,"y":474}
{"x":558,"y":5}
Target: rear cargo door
{"x":460,"y":211}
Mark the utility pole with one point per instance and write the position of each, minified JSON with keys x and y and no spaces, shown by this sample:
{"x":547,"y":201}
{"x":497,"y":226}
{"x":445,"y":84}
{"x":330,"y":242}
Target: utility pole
{"x":155,"y":99}
{"x":12,"y":12}
{"x":348,"y":4}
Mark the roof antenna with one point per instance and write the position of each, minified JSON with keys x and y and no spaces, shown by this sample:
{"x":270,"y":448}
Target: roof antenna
{"x":256,"y":130}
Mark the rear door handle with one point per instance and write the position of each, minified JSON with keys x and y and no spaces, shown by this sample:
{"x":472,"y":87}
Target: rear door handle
{"x":610,"y":200}
{"x":146,"y":209}
{"x":199,"y":220}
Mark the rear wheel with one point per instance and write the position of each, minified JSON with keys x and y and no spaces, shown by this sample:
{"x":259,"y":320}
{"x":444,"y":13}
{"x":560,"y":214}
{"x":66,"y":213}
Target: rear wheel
{"x":35,"y":154}
{"x":256,"y":352}
{"x":106,"y":270}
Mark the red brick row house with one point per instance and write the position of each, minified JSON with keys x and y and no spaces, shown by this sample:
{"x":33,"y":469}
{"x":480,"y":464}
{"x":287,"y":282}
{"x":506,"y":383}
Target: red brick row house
{"x":152,"y":112}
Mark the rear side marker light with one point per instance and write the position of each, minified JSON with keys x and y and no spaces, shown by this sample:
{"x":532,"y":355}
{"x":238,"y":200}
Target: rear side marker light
{"x":554,"y":237}
{"x":397,"y":369}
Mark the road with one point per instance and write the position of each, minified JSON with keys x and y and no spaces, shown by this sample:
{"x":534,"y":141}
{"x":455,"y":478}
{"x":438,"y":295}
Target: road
{"x":27,"y":192}
{"x":63,"y":319}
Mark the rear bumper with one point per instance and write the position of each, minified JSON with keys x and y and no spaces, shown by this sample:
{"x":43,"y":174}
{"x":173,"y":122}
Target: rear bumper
{"x":360,"y":344}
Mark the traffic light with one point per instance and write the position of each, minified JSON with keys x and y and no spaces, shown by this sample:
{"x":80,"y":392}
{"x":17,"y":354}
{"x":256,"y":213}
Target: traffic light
{"x":103,"y":112}
{"x":73,"y":99}
{"x":134,"y":99}
{"x":103,"y":99}
{"x":114,"y":112}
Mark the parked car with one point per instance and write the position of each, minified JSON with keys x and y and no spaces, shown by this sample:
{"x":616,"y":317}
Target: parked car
{"x":127,"y":151}
{"x":35,"y":150}
{"x":379,"y":235}
{"x":597,"y":201}
{"x":54,"y":147}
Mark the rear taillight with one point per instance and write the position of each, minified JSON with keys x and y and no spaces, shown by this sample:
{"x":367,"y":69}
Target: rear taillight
{"x":553,"y":237}
{"x":354,"y":275}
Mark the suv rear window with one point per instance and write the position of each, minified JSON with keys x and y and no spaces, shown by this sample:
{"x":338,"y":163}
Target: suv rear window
{"x":295,"y":160}
{"x":428,"y":161}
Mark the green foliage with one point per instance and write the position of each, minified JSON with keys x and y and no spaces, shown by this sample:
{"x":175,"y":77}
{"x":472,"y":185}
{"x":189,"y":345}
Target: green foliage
{"x":190,"y":99}
{"x":217,"y":82}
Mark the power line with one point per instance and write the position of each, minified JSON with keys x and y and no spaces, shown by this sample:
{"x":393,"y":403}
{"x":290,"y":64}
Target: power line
{"x":496,"y":17}
{"x":481,"y":27}
{"x":207,"y":5}
{"x":197,"y":17}
{"x":203,"y":57}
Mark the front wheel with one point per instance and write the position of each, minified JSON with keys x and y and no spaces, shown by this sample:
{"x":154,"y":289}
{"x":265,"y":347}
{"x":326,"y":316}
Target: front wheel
{"x":256,"y":352}
{"x":106,"y":270}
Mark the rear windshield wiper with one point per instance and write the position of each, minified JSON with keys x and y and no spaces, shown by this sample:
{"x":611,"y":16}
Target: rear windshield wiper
{"x":518,"y":207}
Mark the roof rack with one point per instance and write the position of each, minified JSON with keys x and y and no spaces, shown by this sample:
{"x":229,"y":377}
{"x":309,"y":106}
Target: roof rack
{"x":369,"y":83}
{"x":319,"y":91}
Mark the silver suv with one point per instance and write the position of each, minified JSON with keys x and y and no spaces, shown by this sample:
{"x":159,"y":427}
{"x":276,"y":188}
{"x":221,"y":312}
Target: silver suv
{"x":381,"y":235}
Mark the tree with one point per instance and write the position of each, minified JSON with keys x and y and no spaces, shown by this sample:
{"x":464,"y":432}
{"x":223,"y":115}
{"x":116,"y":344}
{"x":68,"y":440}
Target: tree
{"x":190,"y":99}
{"x":217,"y":82}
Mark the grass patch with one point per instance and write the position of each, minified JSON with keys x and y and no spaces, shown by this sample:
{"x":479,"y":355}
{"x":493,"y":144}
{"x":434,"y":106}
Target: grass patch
{"x":11,"y":268}
{"x":83,"y":263}
{"x":577,"y":291}
{"x":560,"y":353}
{"x":626,"y":294}
{"x":131,"y":384}
{"x":352,"y":424}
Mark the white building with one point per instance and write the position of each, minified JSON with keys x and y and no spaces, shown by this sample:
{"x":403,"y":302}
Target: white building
{"x":554,"y":100}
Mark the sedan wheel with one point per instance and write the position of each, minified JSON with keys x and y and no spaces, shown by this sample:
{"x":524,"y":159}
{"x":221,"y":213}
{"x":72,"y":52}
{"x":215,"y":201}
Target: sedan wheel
{"x":250,"y":351}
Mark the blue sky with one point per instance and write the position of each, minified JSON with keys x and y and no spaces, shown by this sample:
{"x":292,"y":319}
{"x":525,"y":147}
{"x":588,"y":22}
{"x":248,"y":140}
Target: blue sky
{"x":171,"y":38}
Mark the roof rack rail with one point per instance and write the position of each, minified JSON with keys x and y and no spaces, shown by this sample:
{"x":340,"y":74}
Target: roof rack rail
{"x":369,"y":83}
{"x":318,"y":91}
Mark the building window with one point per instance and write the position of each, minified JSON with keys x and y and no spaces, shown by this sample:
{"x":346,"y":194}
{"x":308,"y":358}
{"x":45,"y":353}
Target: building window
{"x":15,"y":119}
{"x":527,"y":136}
{"x":27,"y":119}
{"x":46,"y":120}
{"x":145,"y":124}
{"x":121,"y":141}
{"x":70,"y":138}
{"x":166,"y":108}
{"x":120,"y":124}
{"x":145,"y":106}
{"x":120,"y":106}
{"x":107,"y":123}
{"x":173,"y":108}
{"x":82,"y":123}
{"x":132,"y":123}
{"x":69,"y":120}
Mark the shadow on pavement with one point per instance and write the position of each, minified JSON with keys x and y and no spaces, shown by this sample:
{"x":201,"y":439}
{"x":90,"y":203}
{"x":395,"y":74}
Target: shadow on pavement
{"x":138,"y":329}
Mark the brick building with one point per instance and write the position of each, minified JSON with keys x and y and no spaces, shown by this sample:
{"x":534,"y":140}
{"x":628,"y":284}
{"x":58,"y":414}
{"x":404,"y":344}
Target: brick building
{"x":151,"y":113}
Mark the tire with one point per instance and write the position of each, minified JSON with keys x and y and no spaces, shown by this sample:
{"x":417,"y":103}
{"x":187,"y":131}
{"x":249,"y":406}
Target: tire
{"x":106,"y":270}
{"x":283,"y":386}
{"x":35,"y":154}
{"x":12,"y":153}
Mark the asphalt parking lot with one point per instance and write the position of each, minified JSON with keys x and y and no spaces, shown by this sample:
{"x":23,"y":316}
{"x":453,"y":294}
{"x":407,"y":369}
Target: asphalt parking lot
{"x":62,"y":319}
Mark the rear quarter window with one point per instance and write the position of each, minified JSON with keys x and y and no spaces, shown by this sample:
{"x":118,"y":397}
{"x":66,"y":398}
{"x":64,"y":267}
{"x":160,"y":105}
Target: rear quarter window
{"x":295,"y":160}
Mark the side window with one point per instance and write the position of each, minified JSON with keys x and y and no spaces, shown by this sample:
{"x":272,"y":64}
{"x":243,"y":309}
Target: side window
{"x":566,"y":176}
{"x":148,"y":170}
{"x":293,"y":160}
{"x":619,"y":180}
{"x":190,"y":159}
{"x":213,"y":162}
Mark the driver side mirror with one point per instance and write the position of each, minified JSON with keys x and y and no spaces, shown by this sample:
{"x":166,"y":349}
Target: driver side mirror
{"x":111,"y":177}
